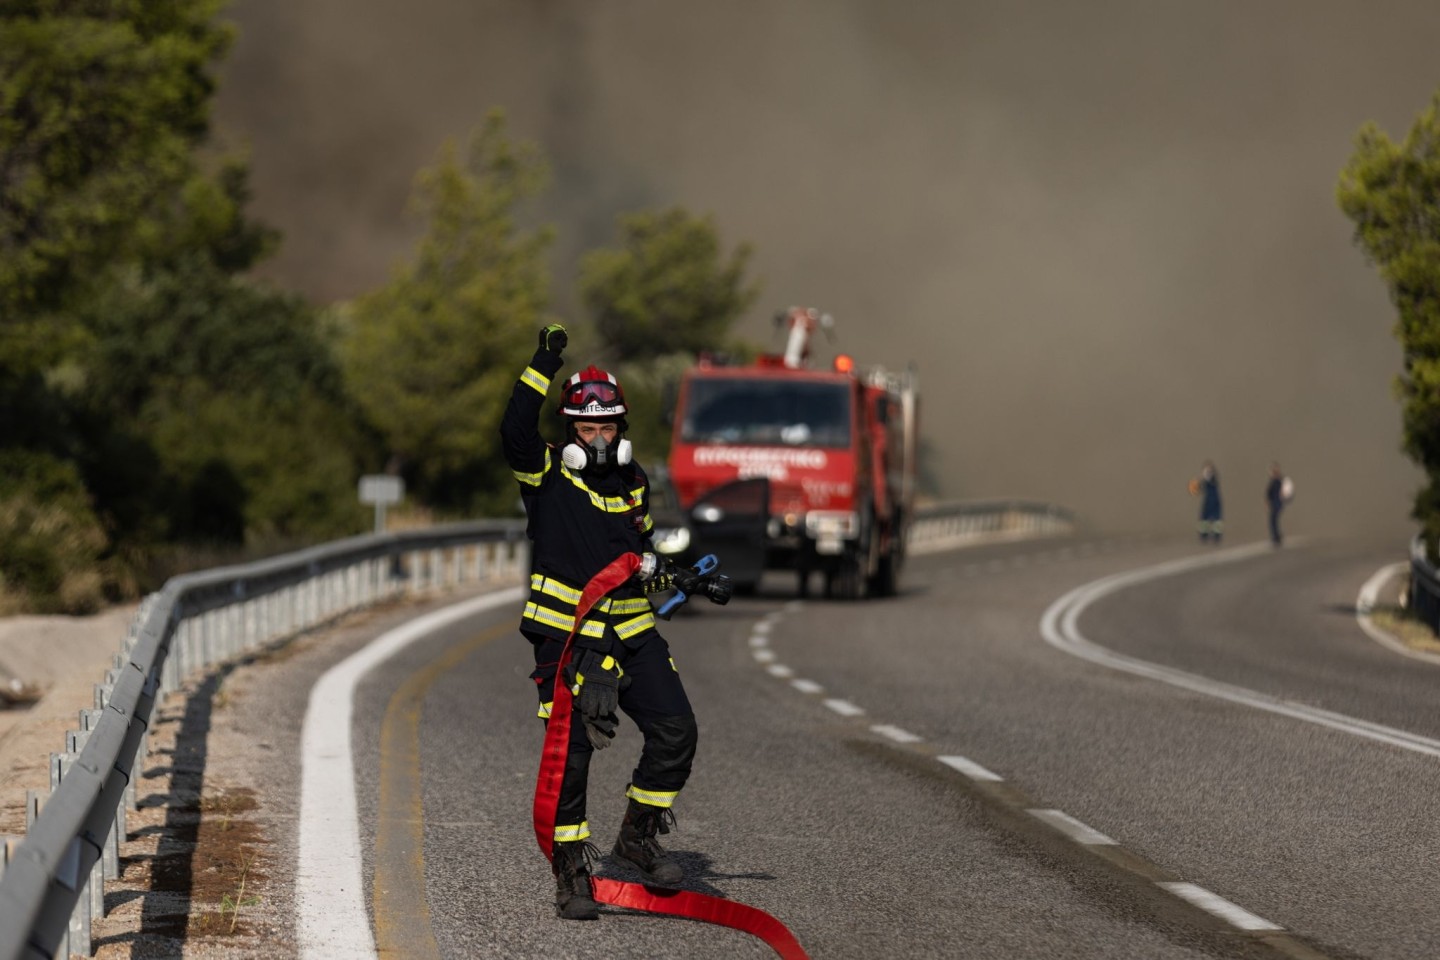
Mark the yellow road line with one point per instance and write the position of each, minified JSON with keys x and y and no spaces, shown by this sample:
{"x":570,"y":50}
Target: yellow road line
{"x":402,"y":915}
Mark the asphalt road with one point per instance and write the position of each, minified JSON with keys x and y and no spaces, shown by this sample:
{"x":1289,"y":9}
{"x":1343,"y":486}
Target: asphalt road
{"x":819,"y":794}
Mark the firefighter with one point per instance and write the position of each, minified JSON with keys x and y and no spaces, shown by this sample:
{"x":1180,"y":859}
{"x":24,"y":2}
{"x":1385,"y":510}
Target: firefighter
{"x":587,"y":503}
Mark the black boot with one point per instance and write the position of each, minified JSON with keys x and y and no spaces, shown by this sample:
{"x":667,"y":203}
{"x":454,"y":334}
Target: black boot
{"x":638,"y":847}
{"x":574,"y":900}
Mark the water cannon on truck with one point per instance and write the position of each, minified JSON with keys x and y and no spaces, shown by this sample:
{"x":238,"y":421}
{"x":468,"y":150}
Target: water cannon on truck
{"x":782,"y":466}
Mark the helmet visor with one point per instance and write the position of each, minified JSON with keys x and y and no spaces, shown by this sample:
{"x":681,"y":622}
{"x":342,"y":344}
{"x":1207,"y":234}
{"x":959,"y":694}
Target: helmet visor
{"x":597,"y":391}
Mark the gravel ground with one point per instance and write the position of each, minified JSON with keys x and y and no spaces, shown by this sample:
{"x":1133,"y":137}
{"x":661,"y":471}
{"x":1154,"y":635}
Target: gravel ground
{"x":207,"y":870}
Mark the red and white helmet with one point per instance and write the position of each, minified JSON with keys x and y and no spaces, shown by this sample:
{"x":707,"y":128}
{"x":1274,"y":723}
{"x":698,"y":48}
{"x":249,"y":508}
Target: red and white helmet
{"x":592,"y":394}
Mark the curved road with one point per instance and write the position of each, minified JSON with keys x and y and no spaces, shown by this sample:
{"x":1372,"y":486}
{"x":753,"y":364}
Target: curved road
{"x":929,"y":777}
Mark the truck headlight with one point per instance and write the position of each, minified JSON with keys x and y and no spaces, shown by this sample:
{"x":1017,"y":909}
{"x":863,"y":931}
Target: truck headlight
{"x":832,"y":525}
{"x":671,"y":540}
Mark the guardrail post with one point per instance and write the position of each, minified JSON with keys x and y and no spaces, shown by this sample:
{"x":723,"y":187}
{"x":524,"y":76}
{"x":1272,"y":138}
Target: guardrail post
{"x":8,"y":844}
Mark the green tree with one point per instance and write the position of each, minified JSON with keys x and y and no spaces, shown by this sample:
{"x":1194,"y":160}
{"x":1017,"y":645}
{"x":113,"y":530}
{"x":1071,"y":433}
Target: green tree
{"x":666,"y":287}
{"x":430,"y":358}
{"x":149,"y":393}
{"x":665,"y":293}
{"x":1392,"y":193}
{"x":101,"y":104}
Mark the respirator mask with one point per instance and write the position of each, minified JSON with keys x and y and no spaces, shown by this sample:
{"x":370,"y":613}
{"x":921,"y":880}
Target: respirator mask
{"x":599,"y":455}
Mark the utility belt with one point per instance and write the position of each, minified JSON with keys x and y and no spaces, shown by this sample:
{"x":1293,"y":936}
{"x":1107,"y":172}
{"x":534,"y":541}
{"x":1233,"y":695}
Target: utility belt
{"x":551,"y":610}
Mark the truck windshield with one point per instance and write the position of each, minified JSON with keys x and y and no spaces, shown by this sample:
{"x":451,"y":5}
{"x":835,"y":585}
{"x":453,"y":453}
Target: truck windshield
{"x":766,"y":411}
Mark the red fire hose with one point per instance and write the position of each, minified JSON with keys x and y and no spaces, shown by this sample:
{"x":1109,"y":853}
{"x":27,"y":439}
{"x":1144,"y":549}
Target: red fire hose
{"x":634,"y":896}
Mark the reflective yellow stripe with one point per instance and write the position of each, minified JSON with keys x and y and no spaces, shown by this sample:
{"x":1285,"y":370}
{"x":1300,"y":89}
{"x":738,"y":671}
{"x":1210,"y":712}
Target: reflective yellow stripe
{"x":555,"y":588}
{"x":570,"y":832}
{"x":649,"y":524}
{"x":533,"y":479}
{"x":535,"y":379}
{"x":653,"y":798}
{"x":630,"y":628}
{"x":672,"y":665}
{"x":633,"y":605}
{"x":562,"y":621}
{"x":608,"y":504}
{"x":544,"y":712}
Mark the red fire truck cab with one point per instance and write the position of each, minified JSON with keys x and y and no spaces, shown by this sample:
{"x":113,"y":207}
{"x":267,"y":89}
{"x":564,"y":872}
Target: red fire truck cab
{"x":818,"y":464}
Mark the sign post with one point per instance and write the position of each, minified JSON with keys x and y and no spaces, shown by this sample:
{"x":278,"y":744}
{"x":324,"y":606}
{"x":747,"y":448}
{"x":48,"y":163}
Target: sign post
{"x":381,"y":489}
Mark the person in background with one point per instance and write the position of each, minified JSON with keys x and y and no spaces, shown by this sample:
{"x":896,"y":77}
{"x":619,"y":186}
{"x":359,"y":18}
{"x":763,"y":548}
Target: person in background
{"x":1277,"y":493}
{"x":1212,"y":522}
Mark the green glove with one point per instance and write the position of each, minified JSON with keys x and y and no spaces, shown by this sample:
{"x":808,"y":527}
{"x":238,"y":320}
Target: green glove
{"x":554,"y":338}
{"x":595,"y":684}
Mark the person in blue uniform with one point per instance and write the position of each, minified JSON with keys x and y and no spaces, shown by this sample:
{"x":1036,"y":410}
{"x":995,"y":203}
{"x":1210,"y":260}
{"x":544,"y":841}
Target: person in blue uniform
{"x":1212,"y":522}
{"x":587,"y":503}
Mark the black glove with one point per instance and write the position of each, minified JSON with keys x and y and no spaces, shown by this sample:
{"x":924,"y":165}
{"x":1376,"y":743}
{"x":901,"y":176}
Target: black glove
{"x":554,"y":338}
{"x":595,"y":684}
{"x":655,"y":573}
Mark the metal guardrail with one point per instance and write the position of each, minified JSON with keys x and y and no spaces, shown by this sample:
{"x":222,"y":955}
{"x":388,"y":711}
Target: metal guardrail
{"x":943,"y":526}
{"x":1424,"y":593}
{"x":52,"y":881}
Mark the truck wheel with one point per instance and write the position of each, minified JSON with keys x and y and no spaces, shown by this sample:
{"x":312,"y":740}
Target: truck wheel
{"x":847,"y":581}
{"x":887,"y":576}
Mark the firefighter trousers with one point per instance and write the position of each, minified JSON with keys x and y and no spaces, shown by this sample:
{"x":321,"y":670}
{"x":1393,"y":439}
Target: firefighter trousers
{"x":652,"y":696}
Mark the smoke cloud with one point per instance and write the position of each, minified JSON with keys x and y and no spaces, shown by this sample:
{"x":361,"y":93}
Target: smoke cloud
{"x":1105,"y":233}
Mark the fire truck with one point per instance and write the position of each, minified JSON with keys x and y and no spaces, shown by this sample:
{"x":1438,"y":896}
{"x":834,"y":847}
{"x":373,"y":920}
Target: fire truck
{"x":781,"y":466}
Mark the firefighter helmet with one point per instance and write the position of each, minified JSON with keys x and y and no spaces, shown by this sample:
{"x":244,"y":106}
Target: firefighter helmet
{"x":592,"y":394}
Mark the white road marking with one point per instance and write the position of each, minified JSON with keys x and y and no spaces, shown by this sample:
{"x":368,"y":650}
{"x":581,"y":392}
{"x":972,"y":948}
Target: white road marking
{"x":844,"y":707}
{"x":764,"y":656}
{"x":895,"y":733}
{"x":1365,"y":603}
{"x":329,"y":885}
{"x":970,"y":768}
{"x":1217,"y":905}
{"x":780,"y":670}
{"x":1060,"y":628}
{"x":759,"y":640}
{"x":1072,"y":828}
{"x":807,"y":686}
{"x":762,"y":627}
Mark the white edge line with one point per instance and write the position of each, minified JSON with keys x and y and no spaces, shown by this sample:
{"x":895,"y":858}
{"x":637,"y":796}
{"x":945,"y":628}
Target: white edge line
{"x":1365,"y":603}
{"x":1076,"y":830}
{"x":329,"y":886}
{"x":1217,"y":905}
{"x":1060,"y":629}
{"x":970,"y":768}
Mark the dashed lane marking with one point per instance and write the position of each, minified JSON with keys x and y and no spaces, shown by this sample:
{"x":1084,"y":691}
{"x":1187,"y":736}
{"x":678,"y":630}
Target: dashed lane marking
{"x":807,"y":686}
{"x":897,"y":734}
{"x":1215,"y":904}
{"x":844,"y":707}
{"x":970,"y":768}
{"x":1072,"y":828}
